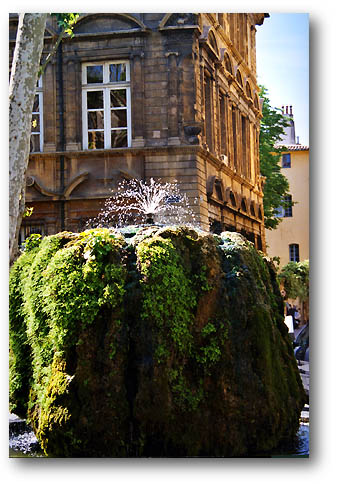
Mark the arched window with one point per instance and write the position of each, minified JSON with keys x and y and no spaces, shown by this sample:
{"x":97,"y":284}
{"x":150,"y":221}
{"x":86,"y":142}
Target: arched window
{"x":248,"y":90}
{"x":232,"y":198}
{"x":294,"y":252}
{"x":213,"y":41}
{"x":228,"y":63}
{"x":239,"y":78}
{"x":219,"y":189}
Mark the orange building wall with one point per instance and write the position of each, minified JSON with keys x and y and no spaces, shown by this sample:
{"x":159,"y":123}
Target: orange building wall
{"x":295,"y":229}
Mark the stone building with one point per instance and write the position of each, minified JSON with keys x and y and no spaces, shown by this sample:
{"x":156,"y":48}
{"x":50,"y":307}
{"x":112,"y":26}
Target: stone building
{"x":169,"y":96}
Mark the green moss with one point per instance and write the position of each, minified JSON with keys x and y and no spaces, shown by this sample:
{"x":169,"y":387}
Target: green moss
{"x":20,"y":364}
{"x":175,"y":265}
{"x":173,"y":344}
{"x":168,"y":297}
{"x":185,"y":396}
{"x":58,"y":288}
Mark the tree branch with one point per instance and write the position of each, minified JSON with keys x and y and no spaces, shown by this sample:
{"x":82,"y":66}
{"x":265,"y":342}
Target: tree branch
{"x":50,"y":55}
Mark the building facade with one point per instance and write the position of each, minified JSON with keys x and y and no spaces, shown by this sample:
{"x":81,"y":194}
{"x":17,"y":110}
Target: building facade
{"x":169,"y":96}
{"x":290,"y":240}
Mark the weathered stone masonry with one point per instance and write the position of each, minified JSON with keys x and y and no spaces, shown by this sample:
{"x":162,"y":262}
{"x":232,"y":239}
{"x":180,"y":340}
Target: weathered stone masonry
{"x":193,"y":116}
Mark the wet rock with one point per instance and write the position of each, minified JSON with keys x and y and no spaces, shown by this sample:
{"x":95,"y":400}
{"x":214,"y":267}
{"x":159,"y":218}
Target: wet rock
{"x":171,"y":345}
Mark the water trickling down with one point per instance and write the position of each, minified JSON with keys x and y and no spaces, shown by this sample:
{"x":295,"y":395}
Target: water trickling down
{"x":22,"y":441}
{"x":140,"y":202}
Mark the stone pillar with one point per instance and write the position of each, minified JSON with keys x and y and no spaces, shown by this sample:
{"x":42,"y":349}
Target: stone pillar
{"x":72,"y":105}
{"x":257,"y":157}
{"x":202,"y":100}
{"x":227,"y":125}
{"x":214,"y":146}
{"x":173,"y":119}
{"x":239,"y":137}
{"x":217,"y":116}
{"x":49,"y":104}
{"x":138,"y":96}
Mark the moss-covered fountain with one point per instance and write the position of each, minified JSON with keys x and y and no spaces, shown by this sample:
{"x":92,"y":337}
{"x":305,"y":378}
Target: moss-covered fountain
{"x":151,"y":341}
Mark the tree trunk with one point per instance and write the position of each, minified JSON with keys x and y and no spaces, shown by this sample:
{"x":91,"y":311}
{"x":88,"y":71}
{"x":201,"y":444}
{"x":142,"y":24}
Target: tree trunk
{"x":25,"y":66}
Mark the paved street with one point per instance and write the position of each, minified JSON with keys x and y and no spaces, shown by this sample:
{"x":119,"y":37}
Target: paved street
{"x":305,"y":374}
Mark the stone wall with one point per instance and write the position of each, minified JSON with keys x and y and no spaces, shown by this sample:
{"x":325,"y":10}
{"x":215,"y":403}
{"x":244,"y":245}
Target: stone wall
{"x":192,"y":83}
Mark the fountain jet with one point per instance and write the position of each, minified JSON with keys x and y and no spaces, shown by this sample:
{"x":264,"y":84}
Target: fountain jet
{"x":139,"y":202}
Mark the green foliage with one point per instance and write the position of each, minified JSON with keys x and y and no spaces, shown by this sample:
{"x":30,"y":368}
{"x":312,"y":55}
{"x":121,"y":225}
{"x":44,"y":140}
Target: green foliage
{"x":20,"y":369}
{"x":169,"y":297}
{"x":66,"y":21}
{"x":276,"y":184}
{"x":28,"y":212}
{"x":173,"y":328}
{"x":185,"y":396}
{"x":33,"y":241}
{"x":57,"y":288}
{"x":171,"y":288}
{"x":295,"y":278}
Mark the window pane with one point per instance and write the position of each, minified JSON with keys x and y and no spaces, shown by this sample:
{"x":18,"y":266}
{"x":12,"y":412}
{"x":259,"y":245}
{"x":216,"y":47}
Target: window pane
{"x":117,"y":72}
{"x":95,"y":100}
{"x":286,"y":160}
{"x":118,"y":98}
{"x":119,"y":118}
{"x":35,"y":143}
{"x":288,"y":208}
{"x":294,"y":252}
{"x":279,"y":212}
{"x":94,"y":74}
{"x":96,"y":140}
{"x":119,"y":138}
{"x":33,"y":229}
{"x":95,"y":120}
{"x":35,"y":123}
{"x":36,"y":104}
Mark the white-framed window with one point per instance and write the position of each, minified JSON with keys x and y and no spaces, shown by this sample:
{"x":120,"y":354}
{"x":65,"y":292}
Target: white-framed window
{"x":37,"y":138}
{"x":106,"y":105}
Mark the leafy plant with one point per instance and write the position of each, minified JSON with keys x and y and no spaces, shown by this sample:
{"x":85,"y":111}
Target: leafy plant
{"x":295,"y":278}
{"x":276,"y":184}
{"x":66,"y":22}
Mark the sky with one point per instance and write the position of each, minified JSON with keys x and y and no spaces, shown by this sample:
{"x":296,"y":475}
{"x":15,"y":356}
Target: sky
{"x":283,"y":65}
